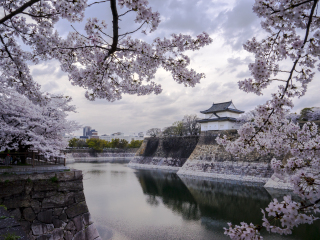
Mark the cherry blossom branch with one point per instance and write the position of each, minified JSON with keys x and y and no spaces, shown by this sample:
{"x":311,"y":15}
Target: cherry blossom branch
{"x":18,"y":10}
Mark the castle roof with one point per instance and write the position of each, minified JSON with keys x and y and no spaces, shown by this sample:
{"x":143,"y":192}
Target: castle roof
{"x":221,"y":107}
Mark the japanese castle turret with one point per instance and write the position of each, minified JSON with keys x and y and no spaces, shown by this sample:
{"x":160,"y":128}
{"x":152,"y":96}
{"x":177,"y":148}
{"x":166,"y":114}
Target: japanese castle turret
{"x":220,"y":116}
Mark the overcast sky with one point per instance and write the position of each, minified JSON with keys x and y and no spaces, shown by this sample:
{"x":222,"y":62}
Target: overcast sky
{"x":224,"y":62}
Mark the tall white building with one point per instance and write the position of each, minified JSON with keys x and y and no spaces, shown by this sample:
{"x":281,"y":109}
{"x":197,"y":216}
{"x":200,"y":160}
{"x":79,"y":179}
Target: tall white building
{"x":220,"y":116}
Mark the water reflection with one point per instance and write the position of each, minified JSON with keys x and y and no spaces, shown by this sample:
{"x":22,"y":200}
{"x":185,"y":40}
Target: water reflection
{"x":129,"y":204}
{"x":174,"y":194}
{"x":213,"y":202}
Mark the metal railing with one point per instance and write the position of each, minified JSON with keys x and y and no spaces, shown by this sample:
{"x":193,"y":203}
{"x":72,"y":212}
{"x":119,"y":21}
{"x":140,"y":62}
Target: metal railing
{"x":32,"y":158}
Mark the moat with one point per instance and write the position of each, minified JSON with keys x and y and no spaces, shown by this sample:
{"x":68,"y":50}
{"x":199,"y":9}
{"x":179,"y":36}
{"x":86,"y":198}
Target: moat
{"x":130,"y":204}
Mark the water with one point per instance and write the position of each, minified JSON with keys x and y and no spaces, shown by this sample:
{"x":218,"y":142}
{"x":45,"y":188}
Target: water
{"x":129,"y":204}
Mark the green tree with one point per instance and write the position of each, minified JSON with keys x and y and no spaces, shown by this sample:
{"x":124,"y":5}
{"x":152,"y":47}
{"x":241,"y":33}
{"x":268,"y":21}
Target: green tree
{"x":123,"y":143}
{"x":73,"y":142}
{"x":135,"y":143}
{"x":114,"y":143}
{"x":96,"y":144}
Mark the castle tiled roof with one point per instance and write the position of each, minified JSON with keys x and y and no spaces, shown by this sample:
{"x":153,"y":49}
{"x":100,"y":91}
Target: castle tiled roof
{"x":220,"y":107}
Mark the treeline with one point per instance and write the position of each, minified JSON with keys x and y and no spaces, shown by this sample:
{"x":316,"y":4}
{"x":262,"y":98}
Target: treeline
{"x":100,"y":144}
{"x":188,"y":126}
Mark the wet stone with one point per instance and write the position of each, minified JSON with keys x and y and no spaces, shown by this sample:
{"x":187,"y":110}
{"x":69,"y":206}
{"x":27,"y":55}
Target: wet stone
{"x":63,"y":217}
{"x":16,"y":214}
{"x":78,"y":222}
{"x":45,"y":216}
{"x":57,"y":211}
{"x":28,"y":214}
{"x":77,"y":209}
{"x":70,"y":226}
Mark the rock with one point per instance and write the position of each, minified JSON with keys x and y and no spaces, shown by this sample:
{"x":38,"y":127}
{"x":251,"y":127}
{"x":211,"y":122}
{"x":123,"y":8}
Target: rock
{"x":78,"y":222}
{"x":28,"y":188}
{"x":25,"y":225}
{"x":57,"y":234}
{"x":70,"y":226}
{"x":58,"y":200}
{"x":71,"y":186}
{"x":28,"y":214}
{"x":51,"y":193}
{"x":57,"y":211}
{"x":68,"y":235}
{"x":17,"y":202}
{"x":63,"y":225}
{"x":78,"y":174}
{"x":80,"y":236}
{"x":37,"y":229}
{"x":63,"y":217}
{"x":45,"y":216}
{"x":45,"y":185}
{"x":38,"y":194}
{"x":16,"y":214}
{"x":91,"y":232}
{"x":87,"y":220}
{"x":57,"y":223}
{"x":65,"y":176}
{"x":7,"y":189}
{"x":44,"y":237}
{"x":79,"y":197}
{"x":48,"y":228}
{"x":77,"y":209}
{"x":35,"y":206}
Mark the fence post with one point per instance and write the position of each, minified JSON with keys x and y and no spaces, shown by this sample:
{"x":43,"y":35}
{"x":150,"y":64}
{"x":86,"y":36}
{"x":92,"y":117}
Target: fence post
{"x":33,"y":153}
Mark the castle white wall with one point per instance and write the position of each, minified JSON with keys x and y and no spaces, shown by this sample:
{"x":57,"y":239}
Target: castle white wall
{"x":223,"y":125}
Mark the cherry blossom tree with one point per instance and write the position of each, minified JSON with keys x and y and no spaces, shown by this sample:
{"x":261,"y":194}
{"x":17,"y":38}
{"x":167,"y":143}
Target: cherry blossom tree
{"x":28,"y":126}
{"x":106,"y":65}
{"x":293,"y":35}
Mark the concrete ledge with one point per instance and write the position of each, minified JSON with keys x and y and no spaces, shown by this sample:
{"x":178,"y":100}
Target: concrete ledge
{"x":238,"y":178}
{"x":149,"y":166}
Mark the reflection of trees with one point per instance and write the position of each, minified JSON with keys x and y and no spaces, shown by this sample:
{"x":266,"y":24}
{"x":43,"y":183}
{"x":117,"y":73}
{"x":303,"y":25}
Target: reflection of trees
{"x":171,"y":190}
{"x":228,"y":202}
{"x":213,"y":202}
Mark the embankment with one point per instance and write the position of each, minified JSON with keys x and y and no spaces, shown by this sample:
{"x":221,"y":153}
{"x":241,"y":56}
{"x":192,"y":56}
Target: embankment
{"x":209,"y":160}
{"x":169,"y":153}
{"x":48,"y":205}
{"x":107,"y":155}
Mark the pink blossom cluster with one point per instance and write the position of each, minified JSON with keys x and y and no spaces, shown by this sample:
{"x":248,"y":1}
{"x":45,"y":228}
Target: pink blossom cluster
{"x":134,"y":63}
{"x":108,"y":66}
{"x":292,"y":35}
{"x":25,"y":125}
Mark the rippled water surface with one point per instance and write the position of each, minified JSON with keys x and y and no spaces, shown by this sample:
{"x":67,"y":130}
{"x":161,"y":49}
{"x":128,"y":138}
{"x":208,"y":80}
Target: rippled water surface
{"x":149,"y":205}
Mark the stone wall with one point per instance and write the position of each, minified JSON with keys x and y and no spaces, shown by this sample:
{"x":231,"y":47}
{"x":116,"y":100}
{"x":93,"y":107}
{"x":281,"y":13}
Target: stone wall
{"x":49,"y":205}
{"x":212,"y":161}
{"x":85,"y":155}
{"x":168,"y":153}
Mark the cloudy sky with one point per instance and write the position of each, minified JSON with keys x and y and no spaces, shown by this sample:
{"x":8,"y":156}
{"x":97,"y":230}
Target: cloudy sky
{"x":224,"y":62}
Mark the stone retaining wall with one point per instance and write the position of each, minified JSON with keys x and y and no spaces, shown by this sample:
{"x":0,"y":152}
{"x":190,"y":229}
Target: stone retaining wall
{"x":168,"y":153}
{"x":106,"y":155}
{"x":212,"y":161}
{"x":49,"y":205}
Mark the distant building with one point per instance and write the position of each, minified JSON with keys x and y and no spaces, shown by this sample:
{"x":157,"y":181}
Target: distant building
{"x":86,"y":131}
{"x":94,"y":134}
{"x":120,"y":135}
{"x":220,"y":116}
